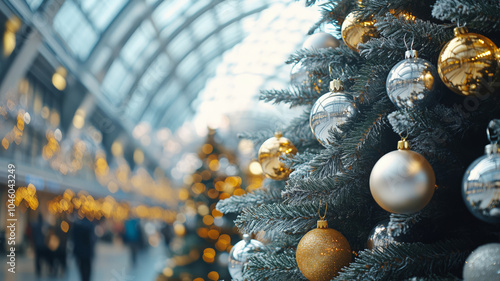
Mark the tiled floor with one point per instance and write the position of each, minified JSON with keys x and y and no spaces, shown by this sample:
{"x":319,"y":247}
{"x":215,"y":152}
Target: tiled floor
{"x":112,"y":263}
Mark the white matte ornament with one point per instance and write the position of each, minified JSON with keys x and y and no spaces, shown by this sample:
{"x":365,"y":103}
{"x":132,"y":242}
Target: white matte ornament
{"x":330,"y":111}
{"x":483,"y":263}
{"x":239,"y":255}
{"x":481,"y":181}
{"x":321,"y":40}
{"x":402,"y":181}
{"x":411,"y":82}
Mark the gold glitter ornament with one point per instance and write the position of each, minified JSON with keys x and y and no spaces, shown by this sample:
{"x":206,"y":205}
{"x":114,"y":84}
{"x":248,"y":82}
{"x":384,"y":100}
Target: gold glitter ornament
{"x":269,"y":156}
{"x":468,"y":64}
{"x":402,"y":181}
{"x":322,"y":252}
{"x":355,"y":31}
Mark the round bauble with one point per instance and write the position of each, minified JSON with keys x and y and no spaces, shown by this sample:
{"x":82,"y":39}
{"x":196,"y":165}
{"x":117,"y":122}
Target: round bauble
{"x":380,"y":238}
{"x":483,"y":263}
{"x":481,"y":185}
{"x":355,"y":31}
{"x":468,"y":64}
{"x":411,"y":82}
{"x":320,"y":40}
{"x":330,"y":111}
{"x":402,"y":181}
{"x":322,"y":253}
{"x":239,"y":255}
{"x":269,"y":156}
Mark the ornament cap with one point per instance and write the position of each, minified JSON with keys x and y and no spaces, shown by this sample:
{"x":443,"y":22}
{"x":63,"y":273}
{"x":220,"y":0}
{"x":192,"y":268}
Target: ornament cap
{"x":278,"y":135}
{"x":322,"y":224}
{"x":403,"y":145}
{"x":493,"y":148}
{"x":460,"y":30}
{"x":246,"y":238}
{"x":336,"y":85}
{"x":410,"y":54}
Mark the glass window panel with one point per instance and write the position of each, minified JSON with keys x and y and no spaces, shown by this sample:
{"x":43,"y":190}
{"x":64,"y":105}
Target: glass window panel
{"x":209,"y":48}
{"x":231,"y":35}
{"x":226,"y":11}
{"x":203,"y":25}
{"x":168,"y":12}
{"x":167,"y":94}
{"x":146,"y":55}
{"x":105,"y":11}
{"x":196,"y":6}
{"x":137,"y":43}
{"x":114,"y":78}
{"x":34,"y":4}
{"x":188,"y":66}
{"x":180,"y":44}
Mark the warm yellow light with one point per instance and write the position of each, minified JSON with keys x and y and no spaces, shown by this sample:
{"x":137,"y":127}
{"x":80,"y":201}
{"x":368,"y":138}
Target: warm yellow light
{"x":112,"y":187}
{"x":213,"y":276}
{"x":64,"y":226}
{"x":179,"y":229}
{"x":208,"y":220}
{"x":78,"y":121}
{"x":203,"y":210}
{"x":59,"y":81}
{"x":255,"y":168}
{"x":207,"y":148}
{"x":199,"y":279}
{"x":138,"y":156}
{"x":9,"y":43}
{"x":117,"y":149}
{"x":167,"y":271}
{"x":5,"y":143}
{"x":183,"y":194}
{"x":213,"y":234}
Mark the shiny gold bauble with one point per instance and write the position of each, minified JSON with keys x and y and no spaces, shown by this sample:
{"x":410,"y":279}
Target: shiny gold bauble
{"x":355,"y":31}
{"x":322,"y":253}
{"x":269,"y":156}
{"x":402,"y":181}
{"x":468,"y":64}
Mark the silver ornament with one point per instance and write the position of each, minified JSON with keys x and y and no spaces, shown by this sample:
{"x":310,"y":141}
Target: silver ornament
{"x":411,"y":82}
{"x":402,"y":181}
{"x":483,"y":263}
{"x":330,"y":111}
{"x":321,"y":40}
{"x":379,"y":237}
{"x":481,"y":182}
{"x":239,"y":255}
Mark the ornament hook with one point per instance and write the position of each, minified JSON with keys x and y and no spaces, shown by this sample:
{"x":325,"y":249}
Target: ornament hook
{"x":493,"y":131}
{"x":406,"y":136}
{"x":319,"y":210}
{"x":412,"y":41}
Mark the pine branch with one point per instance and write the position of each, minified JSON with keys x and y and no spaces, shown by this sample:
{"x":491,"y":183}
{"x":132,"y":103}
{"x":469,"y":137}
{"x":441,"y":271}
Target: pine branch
{"x":236,"y":204}
{"x":408,"y":260}
{"x":272,"y":266}
{"x":292,"y":96}
{"x":402,"y":223}
{"x":277,"y":219}
{"x":476,"y":14}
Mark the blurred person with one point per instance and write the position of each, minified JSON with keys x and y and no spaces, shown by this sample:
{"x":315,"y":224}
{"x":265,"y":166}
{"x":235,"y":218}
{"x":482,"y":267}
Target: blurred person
{"x":132,"y":237}
{"x":38,"y":237}
{"x":60,"y":253}
{"x":83,"y":236}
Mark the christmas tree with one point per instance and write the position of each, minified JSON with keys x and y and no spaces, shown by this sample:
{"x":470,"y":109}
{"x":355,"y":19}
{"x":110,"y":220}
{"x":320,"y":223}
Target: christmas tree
{"x":203,"y":235}
{"x":402,"y":220}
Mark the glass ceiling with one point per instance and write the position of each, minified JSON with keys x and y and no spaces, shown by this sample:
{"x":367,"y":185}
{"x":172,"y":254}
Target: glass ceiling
{"x":152,"y":70}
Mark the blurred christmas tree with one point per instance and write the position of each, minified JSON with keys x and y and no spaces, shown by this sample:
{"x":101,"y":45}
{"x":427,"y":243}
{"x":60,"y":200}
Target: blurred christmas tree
{"x":203,"y":235}
{"x":402,"y":212}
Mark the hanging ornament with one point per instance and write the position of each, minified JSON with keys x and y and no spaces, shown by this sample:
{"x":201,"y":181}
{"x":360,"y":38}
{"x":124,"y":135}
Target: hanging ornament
{"x":411,"y":82}
{"x":483,"y":263}
{"x":481,"y":182}
{"x":301,"y":76}
{"x":239,"y":255}
{"x":330,"y":111}
{"x":269,"y":156}
{"x":355,"y":31}
{"x":468,"y":64}
{"x":322,"y":252}
{"x":380,"y":238}
{"x":402,"y":181}
{"x":320,"y":40}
